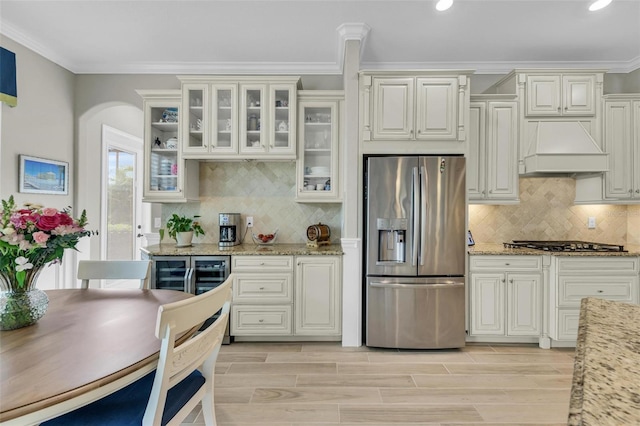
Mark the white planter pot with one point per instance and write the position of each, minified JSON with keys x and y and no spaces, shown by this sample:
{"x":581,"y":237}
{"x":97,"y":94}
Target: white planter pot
{"x":184,"y":238}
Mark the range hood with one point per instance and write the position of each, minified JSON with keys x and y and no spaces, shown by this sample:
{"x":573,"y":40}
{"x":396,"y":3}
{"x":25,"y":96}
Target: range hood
{"x":563,"y":147}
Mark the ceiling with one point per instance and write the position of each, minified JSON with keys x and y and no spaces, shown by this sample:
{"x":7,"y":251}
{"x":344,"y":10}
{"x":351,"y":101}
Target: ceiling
{"x":307,"y":36}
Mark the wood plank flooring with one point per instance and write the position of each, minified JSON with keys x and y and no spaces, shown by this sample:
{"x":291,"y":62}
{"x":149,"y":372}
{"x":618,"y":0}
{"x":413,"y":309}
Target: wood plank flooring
{"x":297,"y":384}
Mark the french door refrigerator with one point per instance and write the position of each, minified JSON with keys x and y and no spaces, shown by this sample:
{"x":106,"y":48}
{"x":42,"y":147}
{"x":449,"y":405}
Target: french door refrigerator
{"x":415,"y":222}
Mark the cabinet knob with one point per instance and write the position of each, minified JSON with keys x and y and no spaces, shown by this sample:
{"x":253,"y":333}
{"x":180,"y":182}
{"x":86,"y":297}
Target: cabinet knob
{"x":558,"y":109}
{"x":631,"y":191}
{"x":261,"y":288}
{"x":511,"y":280}
{"x":260,"y":320}
{"x":503,"y":280}
{"x":600,"y":291}
{"x":637,"y":191}
{"x":484,"y":192}
{"x":566,"y":108}
{"x":507,"y":264}
{"x":261,"y":263}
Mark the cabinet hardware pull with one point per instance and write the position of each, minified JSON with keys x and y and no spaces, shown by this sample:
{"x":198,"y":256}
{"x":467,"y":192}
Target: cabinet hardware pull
{"x":503,"y":280}
{"x":511,"y":280}
{"x":261,"y":263}
{"x":507,"y":264}
{"x":261,"y":288}
{"x":558,"y":109}
{"x":566,"y":108}
{"x":637,"y":191}
{"x":261,"y":320}
{"x":600,"y":291}
{"x":630,"y":191}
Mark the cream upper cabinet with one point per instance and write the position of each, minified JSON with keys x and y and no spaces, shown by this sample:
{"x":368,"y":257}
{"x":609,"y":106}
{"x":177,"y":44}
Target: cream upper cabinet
{"x":248,"y":117}
{"x":561,"y":95}
{"x":317,"y":168}
{"x":622,"y":143}
{"x":393,"y":108}
{"x":401,"y":110}
{"x":267,"y":120}
{"x":168,"y":177}
{"x":436,"y":108}
{"x":492,"y":166}
{"x":210,"y":112}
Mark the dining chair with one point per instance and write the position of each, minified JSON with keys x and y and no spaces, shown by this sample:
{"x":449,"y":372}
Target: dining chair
{"x":184,"y":376}
{"x":114,"y":269}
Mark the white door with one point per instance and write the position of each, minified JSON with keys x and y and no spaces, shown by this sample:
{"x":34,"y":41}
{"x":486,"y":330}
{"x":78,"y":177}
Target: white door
{"x":121,"y":225}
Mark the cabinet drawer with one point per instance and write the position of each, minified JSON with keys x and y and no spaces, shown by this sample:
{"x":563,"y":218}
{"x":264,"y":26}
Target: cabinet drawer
{"x":568,"y":320}
{"x":261,"y":263}
{"x":588,"y":265}
{"x":259,"y":288}
{"x":573,"y":288}
{"x":254,"y":320}
{"x":505,"y":263}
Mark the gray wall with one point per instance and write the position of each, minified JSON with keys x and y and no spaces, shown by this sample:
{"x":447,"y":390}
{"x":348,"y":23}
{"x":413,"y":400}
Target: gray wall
{"x":41,"y":125}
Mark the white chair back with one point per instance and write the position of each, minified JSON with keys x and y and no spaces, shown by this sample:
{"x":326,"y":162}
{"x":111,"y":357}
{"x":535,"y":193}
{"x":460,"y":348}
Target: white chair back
{"x":199,"y":352}
{"x":114,"y":269}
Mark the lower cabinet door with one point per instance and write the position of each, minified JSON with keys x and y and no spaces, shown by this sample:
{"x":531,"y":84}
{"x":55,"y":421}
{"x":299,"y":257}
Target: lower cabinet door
{"x":523,"y":304}
{"x":487,"y":304}
{"x":317,"y":296}
{"x":256,"y":320}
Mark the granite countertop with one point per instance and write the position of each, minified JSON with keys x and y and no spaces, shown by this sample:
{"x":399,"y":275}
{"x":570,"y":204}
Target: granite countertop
{"x":606,"y":376}
{"x":170,"y":249}
{"x":499,"y":249}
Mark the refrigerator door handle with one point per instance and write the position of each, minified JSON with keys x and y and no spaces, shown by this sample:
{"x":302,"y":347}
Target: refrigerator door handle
{"x":419,"y":286}
{"x":416,"y":213}
{"x":423,"y":218}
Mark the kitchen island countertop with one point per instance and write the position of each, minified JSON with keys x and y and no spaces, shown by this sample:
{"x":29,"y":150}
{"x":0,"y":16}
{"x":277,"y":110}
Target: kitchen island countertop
{"x":170,"y":249}
{"x":606,"y":377}
{"x":499,"y":249}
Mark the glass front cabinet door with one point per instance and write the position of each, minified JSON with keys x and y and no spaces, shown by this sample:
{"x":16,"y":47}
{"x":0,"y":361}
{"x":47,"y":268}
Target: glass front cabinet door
{"x":167,"y":177}
{"x":267,"y":118}
{"x":318,"y":142}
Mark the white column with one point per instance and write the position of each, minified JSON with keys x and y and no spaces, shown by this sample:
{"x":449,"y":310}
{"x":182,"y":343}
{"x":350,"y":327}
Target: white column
{"x":352,"y":36}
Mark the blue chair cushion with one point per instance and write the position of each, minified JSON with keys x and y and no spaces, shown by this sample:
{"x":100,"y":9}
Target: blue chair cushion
{"x":126,"y":406}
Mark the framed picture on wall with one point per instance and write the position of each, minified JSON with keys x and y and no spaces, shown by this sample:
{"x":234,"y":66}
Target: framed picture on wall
{"x":41,"y":176}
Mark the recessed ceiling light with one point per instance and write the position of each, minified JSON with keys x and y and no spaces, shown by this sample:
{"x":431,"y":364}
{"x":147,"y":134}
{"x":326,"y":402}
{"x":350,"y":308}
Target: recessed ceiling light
{"x":446,"y":4}
{"x":599,"y":4}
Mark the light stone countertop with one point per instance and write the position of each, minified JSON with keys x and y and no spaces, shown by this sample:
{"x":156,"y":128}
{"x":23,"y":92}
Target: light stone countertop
{"x":499,"y":249}
{"x":170,"y":249}
{"x":606,"y":376}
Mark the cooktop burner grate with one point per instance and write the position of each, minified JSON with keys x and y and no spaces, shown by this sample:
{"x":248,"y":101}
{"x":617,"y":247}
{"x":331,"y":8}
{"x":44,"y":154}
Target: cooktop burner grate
{"x":584,"y":246}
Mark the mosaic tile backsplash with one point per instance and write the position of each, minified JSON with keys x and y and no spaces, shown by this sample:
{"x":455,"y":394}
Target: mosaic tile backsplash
{"x":264,"y":190}
{"x":546,"y":212}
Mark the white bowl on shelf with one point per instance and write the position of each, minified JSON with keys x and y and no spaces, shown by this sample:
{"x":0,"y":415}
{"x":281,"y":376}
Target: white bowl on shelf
{"x":319,"y":170}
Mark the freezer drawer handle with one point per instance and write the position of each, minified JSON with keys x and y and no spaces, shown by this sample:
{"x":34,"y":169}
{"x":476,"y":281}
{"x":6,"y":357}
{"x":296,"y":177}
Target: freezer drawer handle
{"x":423,"y":286}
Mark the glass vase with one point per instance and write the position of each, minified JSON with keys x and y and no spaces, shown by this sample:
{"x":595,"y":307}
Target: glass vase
{"x":21,"y":306}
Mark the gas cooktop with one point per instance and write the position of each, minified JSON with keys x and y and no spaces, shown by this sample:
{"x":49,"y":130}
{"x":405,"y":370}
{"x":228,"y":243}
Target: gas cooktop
{"x":583,"y":246}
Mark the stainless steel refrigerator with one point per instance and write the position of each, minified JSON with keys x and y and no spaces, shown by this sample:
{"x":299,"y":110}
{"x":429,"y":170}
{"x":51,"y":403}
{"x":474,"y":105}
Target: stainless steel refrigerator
{"x":415,"y":221}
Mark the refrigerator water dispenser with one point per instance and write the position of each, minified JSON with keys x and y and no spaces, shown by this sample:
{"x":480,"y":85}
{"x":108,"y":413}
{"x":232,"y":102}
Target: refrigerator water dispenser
{"x":391,"y":240}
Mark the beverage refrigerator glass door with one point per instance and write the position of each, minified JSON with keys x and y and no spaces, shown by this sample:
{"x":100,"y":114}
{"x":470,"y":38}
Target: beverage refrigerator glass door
{"x":415,"y":216}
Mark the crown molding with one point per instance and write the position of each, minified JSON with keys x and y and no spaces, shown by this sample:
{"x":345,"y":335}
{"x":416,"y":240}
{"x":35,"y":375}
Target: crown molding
{"x":18,"y":36}
{"x":506,"y":67}
{"x":351,"y":31}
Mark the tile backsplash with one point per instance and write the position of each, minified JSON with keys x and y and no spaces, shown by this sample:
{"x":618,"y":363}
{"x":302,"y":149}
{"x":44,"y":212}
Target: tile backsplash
{"x":546,"y":212}
{"x":264,"y":190}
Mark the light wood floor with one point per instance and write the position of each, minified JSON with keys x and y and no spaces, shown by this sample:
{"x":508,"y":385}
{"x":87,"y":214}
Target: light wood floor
{"x":296,"y":384}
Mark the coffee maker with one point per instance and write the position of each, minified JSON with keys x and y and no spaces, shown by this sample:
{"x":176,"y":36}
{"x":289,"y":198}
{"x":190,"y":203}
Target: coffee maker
{"x":229,"y":227}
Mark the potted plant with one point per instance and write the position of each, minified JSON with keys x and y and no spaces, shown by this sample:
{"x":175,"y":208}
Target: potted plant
{"x":183,"y":228}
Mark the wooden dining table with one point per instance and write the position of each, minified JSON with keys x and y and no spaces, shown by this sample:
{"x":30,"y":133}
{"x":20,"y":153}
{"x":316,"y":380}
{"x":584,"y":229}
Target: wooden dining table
{"x":90,"y":343}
